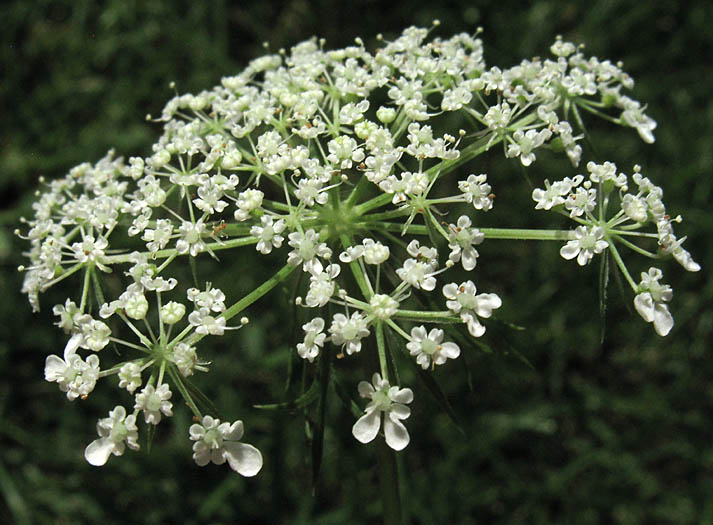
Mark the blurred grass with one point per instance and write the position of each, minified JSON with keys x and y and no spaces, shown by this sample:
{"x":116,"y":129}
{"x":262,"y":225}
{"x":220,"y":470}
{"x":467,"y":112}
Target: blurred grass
{"x":614,"y":433}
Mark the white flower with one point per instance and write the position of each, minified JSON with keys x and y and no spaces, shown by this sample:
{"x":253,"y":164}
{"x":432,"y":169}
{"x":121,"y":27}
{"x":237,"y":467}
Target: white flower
{"x":154,"y":402}
{"x":588,"y":241}
{"x":321,"y":286}
{"x":651,"y":299}
{"x":248,"y":201}
{"x":427,"y":347}
{"x":383,"y":306}
{"x":115,"y":432}
{"x":314,"y":339}
{"x":184,"y":355}
{"x":461,"y":241}
{"x":349,"y":331}
{"x":75,"y":376}
{"x":205,"y":323}
{"x":390,"y":401}
{"x":211,"y":298}
{"x":172,"y":312}
{"x":158,"y":238}
{"x":525,"y":143}
{"x":476,"y":190}
{"x":462,"y":300}
{"x":635,"y":208}
{"x":191,"y":237}
{"x":268,"y":234}
{"x":581,"y":202}
{"x":219,"y":442}
{"x":417,"y":274}
{"x":306,"y":250}
{"x":130,"y":376}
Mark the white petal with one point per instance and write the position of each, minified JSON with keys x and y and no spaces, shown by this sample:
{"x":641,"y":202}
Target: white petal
{"x":663,"y":320}
{"x":570,"y":250}
{"x":450,"y":350}
{"x":405,"y":395}
{"x":644,"y":304}
{"x":365,"y":389}
{"x":97,"y":452}
{"x":367,"y":426}
{"x":235,"y":431}
{"x":399,"y":411}
{"x":396,"y":434}
{"x":54,"y":367}
{"x":244,"y":459}
{"x":72,"y":346}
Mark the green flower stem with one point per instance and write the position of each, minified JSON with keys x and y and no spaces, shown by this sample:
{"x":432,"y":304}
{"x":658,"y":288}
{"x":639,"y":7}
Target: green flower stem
{"x":621,"y":265}
{"x":634,"y":247}
{"x":161,"y":254}
{"x":527,"y":235}
{"x":178,"y":382}
{"x":85,"y":288}
{"x":381,"y":347}
{"x":444,"y":316}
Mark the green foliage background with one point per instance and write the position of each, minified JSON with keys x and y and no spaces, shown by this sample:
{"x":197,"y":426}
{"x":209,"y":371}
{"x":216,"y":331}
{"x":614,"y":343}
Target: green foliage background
{"x":557,"y":428}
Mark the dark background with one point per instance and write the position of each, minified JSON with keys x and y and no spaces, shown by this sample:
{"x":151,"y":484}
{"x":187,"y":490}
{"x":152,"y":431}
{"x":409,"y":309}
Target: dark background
{"x":619,"y":432}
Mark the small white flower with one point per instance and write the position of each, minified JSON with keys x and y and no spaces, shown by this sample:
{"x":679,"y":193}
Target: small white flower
{"x":205,"y":323}
{"x":427,"y":347}
{"x":75,"y":376}
{"x":417,"y":274}
{"x":268,"y":234}
{"x":463,"y":301}
{"x":154,"y":402}
{"x":306,"y":250}
{"x":635,"y":208}
{"x":477,"y":191}
{"x":130,"y":376}
{"x":581,"y":201}
{"x":383,"y":306}
{"x":211,"y":298}
{"x":186,"y":359}
{"x":461,"y":241}
{"x":191,"y":240}
{"x":651,"y":299}
{"x":321,"y":286}
{"x":172,"y":312}
{"x":588,"y":241}
{"x":313,"y":340}
{"x":390,"y":401}
{"x":219,"y":442}
{"x":349,"y":331}
{"x":525,"y":143}
{"x":248,"y":201}
{"x":115,"y":432}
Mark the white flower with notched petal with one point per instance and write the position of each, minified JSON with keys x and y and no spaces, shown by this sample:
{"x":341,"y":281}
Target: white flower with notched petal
{"x":115,"y":432}
{"x":650,"y":301}
{"x":463,"y":301}
{"x":389,"y":400}
{"x":349,"y":331}
{"x":219,"y":442}
{"x":588,"y":242}
{"x":75,"y":376}
{"x":428,"y":347}
{"x":154,"y":401}
{"x":314,"y":339}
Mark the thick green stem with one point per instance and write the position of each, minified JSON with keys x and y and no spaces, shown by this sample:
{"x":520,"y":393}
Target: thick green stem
{"x":389,"y":484}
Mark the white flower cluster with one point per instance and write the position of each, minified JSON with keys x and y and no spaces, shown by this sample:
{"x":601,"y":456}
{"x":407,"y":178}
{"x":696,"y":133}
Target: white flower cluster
{"x":305,"y":155}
